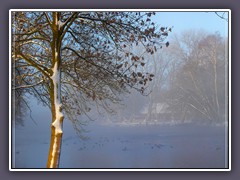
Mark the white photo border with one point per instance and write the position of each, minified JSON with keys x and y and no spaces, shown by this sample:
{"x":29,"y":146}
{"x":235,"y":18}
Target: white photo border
{"x":228,"y":126}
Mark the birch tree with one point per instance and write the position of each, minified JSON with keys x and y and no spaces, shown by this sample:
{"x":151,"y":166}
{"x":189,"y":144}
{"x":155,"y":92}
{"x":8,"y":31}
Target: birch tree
{"x":71,"y":60}
{"x":198,"y":83}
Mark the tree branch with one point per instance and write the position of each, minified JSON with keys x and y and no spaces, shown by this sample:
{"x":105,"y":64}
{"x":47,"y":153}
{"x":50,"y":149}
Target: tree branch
{"x":48,"y":19}
{"x":34,"y":64}
{"x":68,"y":23}
{"x":28,"y":86}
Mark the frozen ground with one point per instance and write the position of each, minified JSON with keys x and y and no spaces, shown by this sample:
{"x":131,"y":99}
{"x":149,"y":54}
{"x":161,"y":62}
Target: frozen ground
{"x":112,"y":146}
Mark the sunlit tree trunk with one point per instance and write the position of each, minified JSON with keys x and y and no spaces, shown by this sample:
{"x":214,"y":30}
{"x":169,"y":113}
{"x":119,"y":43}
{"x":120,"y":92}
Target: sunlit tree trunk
{"x":56,"y":126}
{"x":55,"y":98}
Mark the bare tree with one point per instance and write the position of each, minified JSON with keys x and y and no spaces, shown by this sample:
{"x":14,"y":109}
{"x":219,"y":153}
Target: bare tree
{"x":198,"y":84}
{"x":70,"y":60}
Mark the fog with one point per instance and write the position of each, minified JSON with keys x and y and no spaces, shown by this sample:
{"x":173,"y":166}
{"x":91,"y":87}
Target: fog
{"x":182,"y":121}
{"x":121,"y":145}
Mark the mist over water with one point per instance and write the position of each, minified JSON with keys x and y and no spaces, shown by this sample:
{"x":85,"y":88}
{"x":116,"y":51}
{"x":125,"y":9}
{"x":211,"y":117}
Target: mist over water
{"x":121,"y":145}
{"x":185,"y":146}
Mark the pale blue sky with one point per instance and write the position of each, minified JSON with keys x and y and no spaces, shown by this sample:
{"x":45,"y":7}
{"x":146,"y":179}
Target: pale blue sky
{"x":182,"y":21}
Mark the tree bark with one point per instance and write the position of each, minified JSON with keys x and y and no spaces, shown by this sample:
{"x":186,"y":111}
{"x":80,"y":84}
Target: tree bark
{"x":55,"y":149}
{"x":55,"y":96}
{"x":56,"y":129}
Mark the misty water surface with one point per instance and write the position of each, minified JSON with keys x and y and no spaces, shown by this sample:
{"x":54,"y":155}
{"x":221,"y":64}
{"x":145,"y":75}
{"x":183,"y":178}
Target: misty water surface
{"x":122,"y":146}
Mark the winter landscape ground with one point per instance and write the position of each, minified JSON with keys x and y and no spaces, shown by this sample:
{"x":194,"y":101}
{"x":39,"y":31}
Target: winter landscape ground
{"x":124,"y":146}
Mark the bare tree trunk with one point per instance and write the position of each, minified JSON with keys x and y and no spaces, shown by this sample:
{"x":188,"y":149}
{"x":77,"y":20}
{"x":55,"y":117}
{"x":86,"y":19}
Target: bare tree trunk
{"x":215,"y":83}
{"x":55,"y":96}
{"x":55,"y":149}
{"x":56,"y":129}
